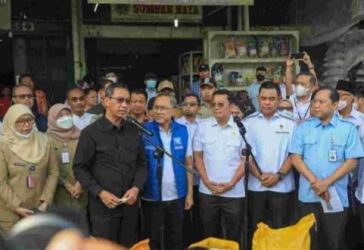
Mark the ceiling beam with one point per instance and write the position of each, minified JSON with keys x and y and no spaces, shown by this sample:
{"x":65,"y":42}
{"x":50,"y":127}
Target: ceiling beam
{"x":177,"y":2}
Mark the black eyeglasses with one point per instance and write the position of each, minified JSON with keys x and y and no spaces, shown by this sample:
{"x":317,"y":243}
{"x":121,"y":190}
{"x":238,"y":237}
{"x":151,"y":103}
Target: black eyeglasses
{"x":120,"y":100}
{"x":25,"y":96}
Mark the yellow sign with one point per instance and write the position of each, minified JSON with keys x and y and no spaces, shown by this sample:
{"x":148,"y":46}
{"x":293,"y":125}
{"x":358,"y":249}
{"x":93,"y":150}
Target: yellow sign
{"x":176,"y":2}
{"x":153,"y":13}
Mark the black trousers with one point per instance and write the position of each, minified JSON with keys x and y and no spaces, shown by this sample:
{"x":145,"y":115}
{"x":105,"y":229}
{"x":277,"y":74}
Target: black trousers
{"x":216,"y":211}
{"x":272,"y":208}
{"x":329,"y":231}
{"x":165,"y":217}
{"x":122,"y":229}
{"x":192,"y":226}
{"x":361,"y":214}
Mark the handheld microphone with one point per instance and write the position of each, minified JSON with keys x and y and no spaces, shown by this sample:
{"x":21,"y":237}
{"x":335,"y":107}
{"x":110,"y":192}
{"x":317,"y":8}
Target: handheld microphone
{"x":239,"y":124}
{"x":139,"y":125}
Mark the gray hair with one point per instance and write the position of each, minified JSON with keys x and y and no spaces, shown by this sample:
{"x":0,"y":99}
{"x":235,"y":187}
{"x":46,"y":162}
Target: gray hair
{"x":109,"y":91}
{"x":172,"y":99}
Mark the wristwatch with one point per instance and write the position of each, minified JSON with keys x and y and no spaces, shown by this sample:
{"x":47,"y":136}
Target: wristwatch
{"x":281,"y":175}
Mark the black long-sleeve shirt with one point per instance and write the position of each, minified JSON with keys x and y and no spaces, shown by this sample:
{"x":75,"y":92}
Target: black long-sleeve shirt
{"x":109,"y":158}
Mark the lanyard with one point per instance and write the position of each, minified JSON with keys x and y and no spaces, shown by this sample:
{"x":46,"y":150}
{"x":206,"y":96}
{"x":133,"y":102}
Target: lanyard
{"x":298,"y":112}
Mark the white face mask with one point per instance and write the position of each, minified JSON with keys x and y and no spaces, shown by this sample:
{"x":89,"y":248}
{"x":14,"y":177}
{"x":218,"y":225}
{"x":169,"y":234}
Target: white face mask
{"x":114,"y":79}
{"x":65,"y":122}
{"x":355,"y":106}
{"x":24,"y":136}
{"x":342,"y":104}
{"x":301,"y":91}
{"x":287,"y":113}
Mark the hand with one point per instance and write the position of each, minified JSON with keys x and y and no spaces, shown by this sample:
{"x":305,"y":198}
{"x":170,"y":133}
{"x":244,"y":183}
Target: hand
{"x":23,"y":212}
{"x":289,"y":62}
{"x":69,"y":187}
{"x":43,"y":206}
{"x":269,"y":179}
{"x":189,"y":201}
{"x":131,"y":195}
{"x":325,"y":196}
{"x":76,"y":190}
{"x":319,"y":186}
{"x":109,"y":200}
{"x":212,"y":186}
{"x":224,"y":187}
{"x":307,"y":59}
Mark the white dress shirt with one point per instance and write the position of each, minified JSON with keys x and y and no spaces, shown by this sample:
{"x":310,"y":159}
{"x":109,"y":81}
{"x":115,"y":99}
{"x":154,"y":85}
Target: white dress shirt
{"x":82,"y":121}
{"x":221,"y":147}
{"x":301,"y":110}
{"x":270,"y":139}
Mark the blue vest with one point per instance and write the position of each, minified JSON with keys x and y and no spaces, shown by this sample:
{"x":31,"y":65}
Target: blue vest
{"x":178,"y":146}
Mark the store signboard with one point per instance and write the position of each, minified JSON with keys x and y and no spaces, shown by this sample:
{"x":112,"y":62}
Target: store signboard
{"x":5,"y":15}
{"x":176,"y":2}
{"x":153,"y":13}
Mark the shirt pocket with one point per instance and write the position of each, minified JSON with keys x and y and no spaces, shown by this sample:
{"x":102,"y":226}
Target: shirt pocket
{"x":339,"y":146}
{"x":232,"y":147}
{"x":309,"y":145}
{"x":209,"y":145}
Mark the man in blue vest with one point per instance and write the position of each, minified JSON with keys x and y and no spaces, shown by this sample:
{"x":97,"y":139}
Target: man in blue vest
{"x":168,"y":190}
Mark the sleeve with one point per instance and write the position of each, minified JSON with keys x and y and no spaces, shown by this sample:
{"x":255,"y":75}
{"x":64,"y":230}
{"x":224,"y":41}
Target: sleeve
{"x":52,"y":179}
{"x":84,"y":156}
{"x":189,"y":145}
{"x":354,"y":147}
{"x":197,"y":143}
{"x":141,"y":165}
{"x":296,"y":145}
{"x":249,"y":138}
{"x":7,"y":194}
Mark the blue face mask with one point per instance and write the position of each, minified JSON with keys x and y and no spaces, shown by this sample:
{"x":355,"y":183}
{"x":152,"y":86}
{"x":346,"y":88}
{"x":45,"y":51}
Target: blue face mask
{"x":151,"y":84}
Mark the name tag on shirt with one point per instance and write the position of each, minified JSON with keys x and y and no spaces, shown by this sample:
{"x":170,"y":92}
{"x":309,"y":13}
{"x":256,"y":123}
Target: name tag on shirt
{"x":281,"y":130}
{"x":332,"y":155}
{"x":65,"y":157}
{"x":334,"y":205}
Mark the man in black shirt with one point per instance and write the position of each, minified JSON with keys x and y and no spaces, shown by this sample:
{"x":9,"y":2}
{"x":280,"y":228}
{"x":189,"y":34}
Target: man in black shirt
{"x":110,"y":164}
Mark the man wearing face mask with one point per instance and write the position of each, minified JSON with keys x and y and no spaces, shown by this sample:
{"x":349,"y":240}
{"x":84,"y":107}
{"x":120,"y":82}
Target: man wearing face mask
{"x":253,"y":89}
{"x":150,"y":81}
{"x":76,"y":100}
{"x":112,"y":77}
{"x":306,"y":84}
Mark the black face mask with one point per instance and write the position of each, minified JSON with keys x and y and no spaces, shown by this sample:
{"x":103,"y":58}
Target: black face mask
{"x":260,"y":77}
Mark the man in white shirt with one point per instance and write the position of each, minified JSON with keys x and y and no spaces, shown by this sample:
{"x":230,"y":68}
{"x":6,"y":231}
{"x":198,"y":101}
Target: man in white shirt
{"x":306,"y":85}
{"x":269,"y":133}
{"x":217,"y":153}
{"x":190,"y":110}
{"x":77,"y":101}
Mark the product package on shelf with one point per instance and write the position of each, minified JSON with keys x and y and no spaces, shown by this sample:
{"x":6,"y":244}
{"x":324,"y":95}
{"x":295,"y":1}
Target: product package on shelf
{"x":229,"y":48}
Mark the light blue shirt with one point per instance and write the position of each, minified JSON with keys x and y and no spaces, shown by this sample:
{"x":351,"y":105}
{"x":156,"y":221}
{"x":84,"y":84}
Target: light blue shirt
{"x":221,"y":147}
{"x":151,"y":93}
{"x":253,"y":92}
{"x":270,"y":139}
{"x":314,"y":141}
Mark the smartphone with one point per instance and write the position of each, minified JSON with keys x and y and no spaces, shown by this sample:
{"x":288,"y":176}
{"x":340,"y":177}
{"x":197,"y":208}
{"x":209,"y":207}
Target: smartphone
{"x":299,"y":55}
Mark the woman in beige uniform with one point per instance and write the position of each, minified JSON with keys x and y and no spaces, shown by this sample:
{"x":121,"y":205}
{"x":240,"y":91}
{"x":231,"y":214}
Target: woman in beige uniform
{"x":28,"y":176}
{"x":63,"y":137}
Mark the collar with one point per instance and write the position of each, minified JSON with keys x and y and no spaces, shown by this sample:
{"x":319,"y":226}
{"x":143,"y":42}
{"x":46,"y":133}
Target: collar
{"x":297,"y":101}
{"x":230,"y":122}
{"x":333,"y":121}
{"x":275,"y":115}
{"x":185,"y":121}
{"x":107,"y":125}
{"x":151,"y":90}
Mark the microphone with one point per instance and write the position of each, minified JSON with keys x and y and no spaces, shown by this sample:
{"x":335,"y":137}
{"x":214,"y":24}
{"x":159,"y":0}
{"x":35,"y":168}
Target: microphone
{"x":139,"y":125}
{"x":239,"y":124}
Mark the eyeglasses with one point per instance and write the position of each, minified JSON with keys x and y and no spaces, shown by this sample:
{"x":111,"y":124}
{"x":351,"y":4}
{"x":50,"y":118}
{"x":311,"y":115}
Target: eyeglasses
{"x":75,"y":99}
{"x":189,"y":104}
{"x":25,"y":96}
{"x":23,"y":122}
{"x":161,"y":108}
{"x":120,"y":100}
{"x":285,"y":108}
{"x":218,"y":104}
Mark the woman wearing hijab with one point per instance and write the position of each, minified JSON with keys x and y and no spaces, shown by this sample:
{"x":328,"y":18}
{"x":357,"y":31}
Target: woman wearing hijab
{"x":28,"y":175}
{"x":63,"y":137}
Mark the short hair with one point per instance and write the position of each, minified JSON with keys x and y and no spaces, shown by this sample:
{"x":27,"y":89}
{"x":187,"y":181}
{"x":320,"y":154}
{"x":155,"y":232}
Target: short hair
{"x":223,"y":92}
{"x":312,"y":78}
{"x":261,"y":68}
{"x":270,"y":85}
{"x":193,"y":95}
{"x":235,"y":101}
{"x":334,"y":95}
{"x":150,"y":75}
{"x":359,"y":89}
{"x":19,"y":86}
{"x":104,"y":82}
{"x":88,"y":91}
{"x":140,"y":92}
{"x":109,"y":91}
{"x":172,"y":99}
{"x":74,"y":88}
{"x":25,"y":75}
{"x":151,"y":103}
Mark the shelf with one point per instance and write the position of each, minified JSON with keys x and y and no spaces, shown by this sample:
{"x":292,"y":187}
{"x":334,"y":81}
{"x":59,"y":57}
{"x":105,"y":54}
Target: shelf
{"x":248,"y":60}
{"x":234,"y":88}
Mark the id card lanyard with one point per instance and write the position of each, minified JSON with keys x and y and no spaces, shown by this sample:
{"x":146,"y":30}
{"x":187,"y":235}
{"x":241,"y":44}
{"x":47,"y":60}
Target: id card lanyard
{"x":298,"y":112}
{"x":31,"y":181}
{"x":65,"y":156}
{"x":332,"y":151}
